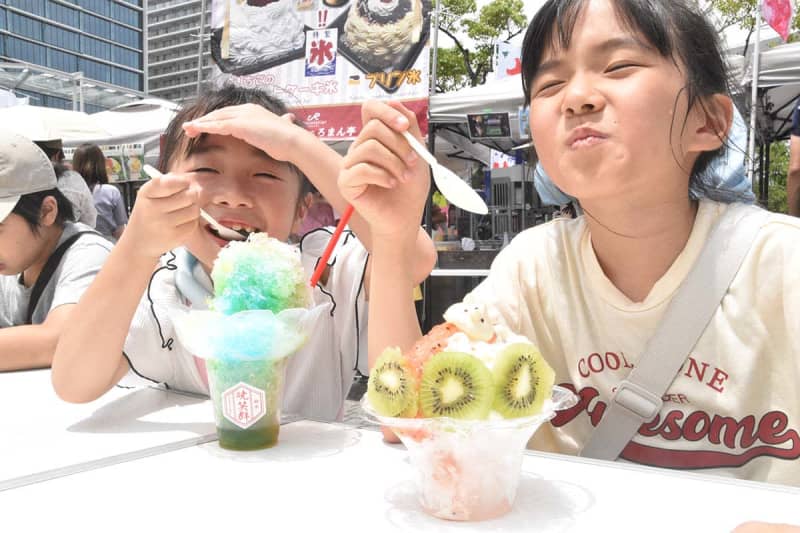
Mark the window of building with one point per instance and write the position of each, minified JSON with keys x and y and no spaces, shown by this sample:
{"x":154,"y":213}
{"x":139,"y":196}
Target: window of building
{"x":95,"y":48}
{"x":25,"y":50}
{"x":61,"y":38}
{"x":125,"y":14}
{"x":61,"y":13}
{"x":94,"y":70}
{"x":32,"y":6}
{"x":25,"y":26}
{"x":126,"y":57}
{"x":62,"y":60}
{"x":95,"y":25}
{"x":126,"y":78}
{"x":2,"y":19}
{"x":101,"y":7}
{"x":127,"y":36}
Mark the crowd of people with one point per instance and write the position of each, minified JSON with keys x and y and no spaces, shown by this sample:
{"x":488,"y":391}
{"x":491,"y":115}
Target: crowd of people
{"x":628,"y":112}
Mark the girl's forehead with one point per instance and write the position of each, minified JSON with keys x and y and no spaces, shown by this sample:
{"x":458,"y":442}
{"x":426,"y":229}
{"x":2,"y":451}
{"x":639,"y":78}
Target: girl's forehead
{"x":591,"y":24}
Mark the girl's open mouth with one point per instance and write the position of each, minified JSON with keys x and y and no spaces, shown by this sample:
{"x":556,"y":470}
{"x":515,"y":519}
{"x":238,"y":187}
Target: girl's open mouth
{"x":244,"y":231}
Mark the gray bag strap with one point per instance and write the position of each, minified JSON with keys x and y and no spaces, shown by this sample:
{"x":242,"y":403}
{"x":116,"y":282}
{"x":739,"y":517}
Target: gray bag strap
{"x":638,"y":398}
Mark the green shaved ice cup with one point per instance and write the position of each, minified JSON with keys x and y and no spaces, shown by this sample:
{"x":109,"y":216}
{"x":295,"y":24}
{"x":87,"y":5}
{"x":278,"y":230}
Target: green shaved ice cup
{"x":247,"y":401}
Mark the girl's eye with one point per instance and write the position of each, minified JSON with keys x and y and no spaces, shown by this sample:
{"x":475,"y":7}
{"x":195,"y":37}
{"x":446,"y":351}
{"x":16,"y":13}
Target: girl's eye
{"x":267,"y":175}
{"x":620,"y":66}
{"x":547,"y":85}
{"x":206,"y":170}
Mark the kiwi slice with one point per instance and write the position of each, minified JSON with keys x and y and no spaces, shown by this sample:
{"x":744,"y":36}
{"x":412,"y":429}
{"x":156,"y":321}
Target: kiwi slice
{"x":522,"y":381}
{"x":391,"y":388}
{"x":456,"y":385}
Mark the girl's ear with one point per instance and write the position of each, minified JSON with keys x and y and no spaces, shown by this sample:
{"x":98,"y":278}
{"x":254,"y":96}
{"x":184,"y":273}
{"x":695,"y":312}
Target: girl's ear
{"x":715,"y":116}
{"x":303,"y":204}
{"x":48,"y":213}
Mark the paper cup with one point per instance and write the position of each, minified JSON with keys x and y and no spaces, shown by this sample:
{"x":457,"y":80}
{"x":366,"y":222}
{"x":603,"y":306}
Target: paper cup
{"x":468,"y":469}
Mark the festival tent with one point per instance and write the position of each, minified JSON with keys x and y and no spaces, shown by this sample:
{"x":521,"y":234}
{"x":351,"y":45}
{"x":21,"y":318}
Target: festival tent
{"x":140,"y":122}
{"x":46,"y":123}
{"x":448,"y":113}
{"x":779,"y":87}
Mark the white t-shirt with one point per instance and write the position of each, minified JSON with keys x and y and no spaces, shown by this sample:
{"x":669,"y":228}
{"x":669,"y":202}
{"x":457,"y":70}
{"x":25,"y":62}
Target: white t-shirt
{"x":318,"y":377}
{"x":75,"y":272}
{"x":77,"y":192}
{"x":733,"y":409}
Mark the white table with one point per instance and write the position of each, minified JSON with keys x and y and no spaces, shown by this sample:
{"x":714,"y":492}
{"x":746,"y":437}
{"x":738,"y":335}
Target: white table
{"x":44,"y":437}
{"x":328,"y":477}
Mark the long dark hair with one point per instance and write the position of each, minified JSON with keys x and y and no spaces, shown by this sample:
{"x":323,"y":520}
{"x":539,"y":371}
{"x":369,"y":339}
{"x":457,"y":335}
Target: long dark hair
{"x":673,"y":27}
{"x":89,"y":162}
{"x":176,"y":143}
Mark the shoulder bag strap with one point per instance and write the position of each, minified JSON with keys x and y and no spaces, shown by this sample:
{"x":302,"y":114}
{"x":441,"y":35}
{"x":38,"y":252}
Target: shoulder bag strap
{"x":47,"y":272}
{"x":638,"y":398}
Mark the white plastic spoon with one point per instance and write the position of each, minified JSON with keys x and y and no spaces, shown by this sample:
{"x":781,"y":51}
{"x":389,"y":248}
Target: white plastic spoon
{"x":225,"y":233}
{"x":451,"y":186}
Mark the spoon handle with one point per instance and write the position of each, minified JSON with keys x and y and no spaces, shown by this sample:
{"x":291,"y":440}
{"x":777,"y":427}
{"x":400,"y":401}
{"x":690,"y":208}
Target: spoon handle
{"x":421,"y":150}
{"x":153,"y":173}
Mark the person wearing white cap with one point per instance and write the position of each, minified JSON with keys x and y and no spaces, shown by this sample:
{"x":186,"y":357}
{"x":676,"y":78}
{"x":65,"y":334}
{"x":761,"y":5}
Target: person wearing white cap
{"x":46,"y":260}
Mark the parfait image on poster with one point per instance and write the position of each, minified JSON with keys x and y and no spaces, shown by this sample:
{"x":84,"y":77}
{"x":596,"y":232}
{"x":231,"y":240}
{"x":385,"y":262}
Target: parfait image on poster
{"x":257,"y":319}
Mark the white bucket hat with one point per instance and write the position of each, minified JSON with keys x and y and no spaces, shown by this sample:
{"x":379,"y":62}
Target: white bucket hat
{"x":24,"y":169}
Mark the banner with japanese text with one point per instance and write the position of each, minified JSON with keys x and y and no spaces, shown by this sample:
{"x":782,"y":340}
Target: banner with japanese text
{"x":324,"y":58}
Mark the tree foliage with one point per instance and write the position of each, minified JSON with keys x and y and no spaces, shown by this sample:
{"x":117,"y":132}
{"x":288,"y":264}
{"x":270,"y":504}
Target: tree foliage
{"x":474,"y":34}
{"x":739,"y":13}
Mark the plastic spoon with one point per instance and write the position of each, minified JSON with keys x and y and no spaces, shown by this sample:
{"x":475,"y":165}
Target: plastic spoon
{"x":225,"y":233}
{"x":451,"y":186}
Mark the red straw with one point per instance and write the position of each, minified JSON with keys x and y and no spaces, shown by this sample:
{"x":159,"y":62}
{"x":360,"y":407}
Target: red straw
{"x":323,"y":261}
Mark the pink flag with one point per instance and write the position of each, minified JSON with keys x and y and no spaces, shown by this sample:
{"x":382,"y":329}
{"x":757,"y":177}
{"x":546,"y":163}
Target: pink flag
{"x":779,"y":14}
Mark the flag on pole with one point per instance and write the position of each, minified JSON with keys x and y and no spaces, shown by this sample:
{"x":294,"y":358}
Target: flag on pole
{"x":779,"y":14}
{"x":506,"y":60}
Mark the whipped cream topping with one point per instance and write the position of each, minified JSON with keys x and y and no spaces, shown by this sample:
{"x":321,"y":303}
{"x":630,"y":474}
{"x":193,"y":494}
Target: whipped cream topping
{"x":478,"y":327}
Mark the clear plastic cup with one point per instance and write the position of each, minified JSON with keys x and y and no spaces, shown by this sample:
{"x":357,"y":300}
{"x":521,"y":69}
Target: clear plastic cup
{"x":468,"y":469}
{"x":246,"y":355}
{"x":247,"y":401}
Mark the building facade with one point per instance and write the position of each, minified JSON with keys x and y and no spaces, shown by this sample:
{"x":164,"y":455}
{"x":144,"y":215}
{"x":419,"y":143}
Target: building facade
{"x":174,"y":36}
{"x":102,"y":39}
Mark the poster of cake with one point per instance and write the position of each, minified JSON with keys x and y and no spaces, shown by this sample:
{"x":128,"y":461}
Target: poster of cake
{"x":324,"y":58}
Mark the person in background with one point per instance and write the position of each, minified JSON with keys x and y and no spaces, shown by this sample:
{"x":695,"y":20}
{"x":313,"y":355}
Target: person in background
{"x":46,"y":260}
{"x":793,"y":179}
{"x":319,"y":214}
{"x":70,"y":183}
{"x":112,"y":216}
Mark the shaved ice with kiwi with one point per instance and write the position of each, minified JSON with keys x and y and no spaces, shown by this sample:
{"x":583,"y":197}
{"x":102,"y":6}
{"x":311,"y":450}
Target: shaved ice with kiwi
{"x":467,"y":368}
{"x":465,"y":400}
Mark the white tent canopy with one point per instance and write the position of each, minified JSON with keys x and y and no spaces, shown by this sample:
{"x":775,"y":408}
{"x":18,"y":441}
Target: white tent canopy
{"x":46,"y":123}
{"x":137,"y":120}
{"x":779,"y":85}
{"x":448,"y":114}
{"x":142,"y":121}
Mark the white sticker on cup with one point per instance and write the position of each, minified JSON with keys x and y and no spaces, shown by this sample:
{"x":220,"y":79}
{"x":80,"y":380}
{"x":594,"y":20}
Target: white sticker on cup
{"x":243,"y":405}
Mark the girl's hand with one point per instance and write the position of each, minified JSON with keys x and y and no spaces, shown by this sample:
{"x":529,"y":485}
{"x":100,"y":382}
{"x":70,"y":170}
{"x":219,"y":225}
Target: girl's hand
{"x":165,"y":214}
{"x":382,"y":177}
{"x":253,"y":124}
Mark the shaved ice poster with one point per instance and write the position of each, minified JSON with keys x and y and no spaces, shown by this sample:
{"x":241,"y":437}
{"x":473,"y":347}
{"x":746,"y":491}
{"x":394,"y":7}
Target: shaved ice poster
{"x":324,"y":58}
{"x":321,"y":52}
